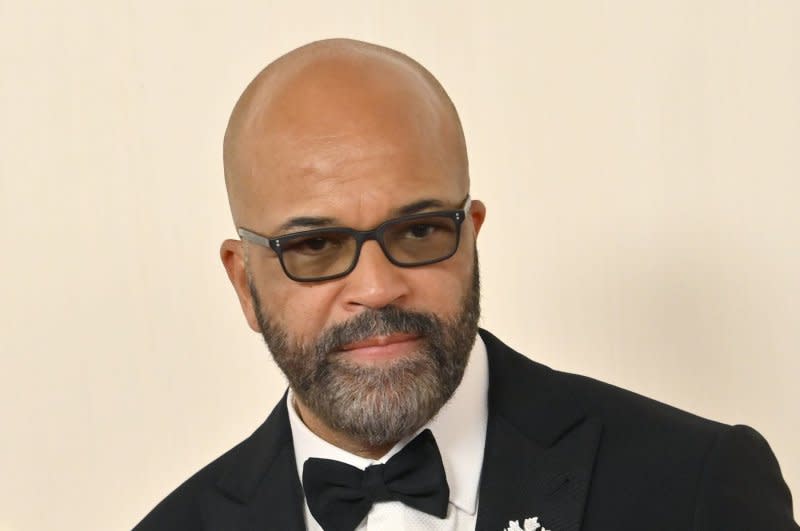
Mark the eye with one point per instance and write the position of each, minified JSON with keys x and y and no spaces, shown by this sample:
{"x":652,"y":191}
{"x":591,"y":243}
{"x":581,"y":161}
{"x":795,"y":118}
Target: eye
{"x":421,"y":230}
{"x":314,"y":245}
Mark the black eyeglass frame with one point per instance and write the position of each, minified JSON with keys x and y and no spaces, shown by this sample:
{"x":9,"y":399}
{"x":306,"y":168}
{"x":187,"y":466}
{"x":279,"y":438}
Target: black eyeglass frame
{"x":360,"y":236}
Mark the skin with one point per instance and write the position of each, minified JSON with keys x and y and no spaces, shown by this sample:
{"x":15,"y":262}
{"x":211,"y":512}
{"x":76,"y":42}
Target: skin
{"x":352,"y":133}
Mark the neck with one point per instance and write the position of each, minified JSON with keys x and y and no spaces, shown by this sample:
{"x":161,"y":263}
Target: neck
{"x":338,"y":438}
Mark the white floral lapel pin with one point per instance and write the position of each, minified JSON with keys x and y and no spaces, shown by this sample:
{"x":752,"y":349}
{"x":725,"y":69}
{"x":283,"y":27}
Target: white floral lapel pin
{"x":530,"y":524}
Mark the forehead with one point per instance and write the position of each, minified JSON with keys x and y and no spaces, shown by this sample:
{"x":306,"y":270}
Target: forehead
{"x":355,"y":181}
{"x":357,"y":147}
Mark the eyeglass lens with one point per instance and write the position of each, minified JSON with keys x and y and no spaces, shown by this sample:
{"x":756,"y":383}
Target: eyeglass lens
{"x":406,"y":242}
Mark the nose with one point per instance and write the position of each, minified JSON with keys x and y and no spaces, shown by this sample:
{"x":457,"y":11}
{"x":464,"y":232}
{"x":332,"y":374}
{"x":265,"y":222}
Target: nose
{"x":375,"y":282}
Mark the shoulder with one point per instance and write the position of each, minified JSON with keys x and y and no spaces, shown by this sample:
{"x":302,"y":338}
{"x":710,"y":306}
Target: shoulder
{"x":231,"y":478}
{"x":182,"y":509}
{"x":642,"y":439}
{"x":521,"y":387}
{"x":653,"y":459}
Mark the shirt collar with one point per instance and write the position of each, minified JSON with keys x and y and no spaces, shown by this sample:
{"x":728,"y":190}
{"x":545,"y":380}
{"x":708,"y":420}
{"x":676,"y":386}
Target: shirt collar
{"x":460,"y":443}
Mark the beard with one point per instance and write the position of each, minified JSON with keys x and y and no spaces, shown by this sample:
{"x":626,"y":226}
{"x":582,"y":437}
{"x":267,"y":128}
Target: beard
{"x":378,"y":405}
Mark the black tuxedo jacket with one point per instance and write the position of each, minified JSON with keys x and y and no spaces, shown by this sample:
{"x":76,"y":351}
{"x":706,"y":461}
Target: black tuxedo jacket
{"x":577,"y":453}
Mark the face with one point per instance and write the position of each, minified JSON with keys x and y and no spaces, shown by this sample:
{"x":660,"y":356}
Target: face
{"x":375,"y":354}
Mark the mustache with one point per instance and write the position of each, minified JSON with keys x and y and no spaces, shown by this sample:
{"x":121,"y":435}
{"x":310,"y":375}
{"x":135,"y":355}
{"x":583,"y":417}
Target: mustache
{"x":369,"y":323}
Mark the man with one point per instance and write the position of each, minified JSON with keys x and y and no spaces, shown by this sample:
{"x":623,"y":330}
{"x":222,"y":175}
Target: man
{"x":348,"y":181}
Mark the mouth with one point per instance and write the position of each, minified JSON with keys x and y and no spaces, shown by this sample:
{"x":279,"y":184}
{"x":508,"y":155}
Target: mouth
{"x":379,"y":349}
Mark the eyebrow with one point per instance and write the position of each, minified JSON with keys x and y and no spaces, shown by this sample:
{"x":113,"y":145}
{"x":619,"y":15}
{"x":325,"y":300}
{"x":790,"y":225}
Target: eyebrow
{"x":305,"y":221}
{"x":321,"y":221}
{"x":419,"y":206}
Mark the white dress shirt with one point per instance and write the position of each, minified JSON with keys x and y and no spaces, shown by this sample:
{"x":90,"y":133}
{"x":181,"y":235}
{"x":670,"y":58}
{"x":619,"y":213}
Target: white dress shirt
{"x":460,"y":432}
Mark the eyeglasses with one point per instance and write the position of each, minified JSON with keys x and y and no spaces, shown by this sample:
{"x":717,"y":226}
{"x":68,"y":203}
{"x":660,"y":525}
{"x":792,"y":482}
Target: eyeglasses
{"x":329,"y":253}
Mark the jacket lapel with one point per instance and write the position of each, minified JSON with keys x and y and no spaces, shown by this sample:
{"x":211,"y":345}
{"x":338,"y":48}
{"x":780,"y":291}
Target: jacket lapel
{"x":262,"y":480}
{"x":540,"y":446}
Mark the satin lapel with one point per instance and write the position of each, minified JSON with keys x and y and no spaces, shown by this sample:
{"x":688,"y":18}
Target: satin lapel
{"x":262,"y":481}
{"x":540,"y":447}
{"x":522,"y":480}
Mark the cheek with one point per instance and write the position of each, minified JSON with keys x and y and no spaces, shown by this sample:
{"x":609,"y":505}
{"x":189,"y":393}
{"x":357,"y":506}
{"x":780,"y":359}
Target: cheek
{"x":441,"y":289}
{"x":300,"y":310}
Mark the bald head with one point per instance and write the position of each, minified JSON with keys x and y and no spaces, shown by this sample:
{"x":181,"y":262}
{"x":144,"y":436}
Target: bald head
{"x":326,"y":101}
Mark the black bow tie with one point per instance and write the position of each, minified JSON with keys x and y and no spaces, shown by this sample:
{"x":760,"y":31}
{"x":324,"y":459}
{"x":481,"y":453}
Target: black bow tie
{"x":340,"y":496}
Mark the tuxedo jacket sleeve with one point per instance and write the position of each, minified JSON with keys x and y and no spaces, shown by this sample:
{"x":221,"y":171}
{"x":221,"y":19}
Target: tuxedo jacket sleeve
{"x":574,"y":452}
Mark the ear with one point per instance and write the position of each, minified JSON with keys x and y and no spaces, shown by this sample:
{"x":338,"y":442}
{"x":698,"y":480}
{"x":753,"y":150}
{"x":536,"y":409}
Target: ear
{"x":232,"y":254}
{"x":477,"y":211}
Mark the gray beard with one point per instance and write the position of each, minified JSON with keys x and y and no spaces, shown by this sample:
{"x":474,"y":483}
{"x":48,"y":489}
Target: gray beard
{"x":378,"y":405}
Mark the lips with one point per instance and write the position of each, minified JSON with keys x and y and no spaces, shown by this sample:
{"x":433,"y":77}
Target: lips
{"x":379,"y":341}
{"x":379,"y":348}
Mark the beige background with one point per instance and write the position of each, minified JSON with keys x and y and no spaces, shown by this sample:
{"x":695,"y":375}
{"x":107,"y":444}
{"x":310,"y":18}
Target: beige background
{"x":640,"y":162}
